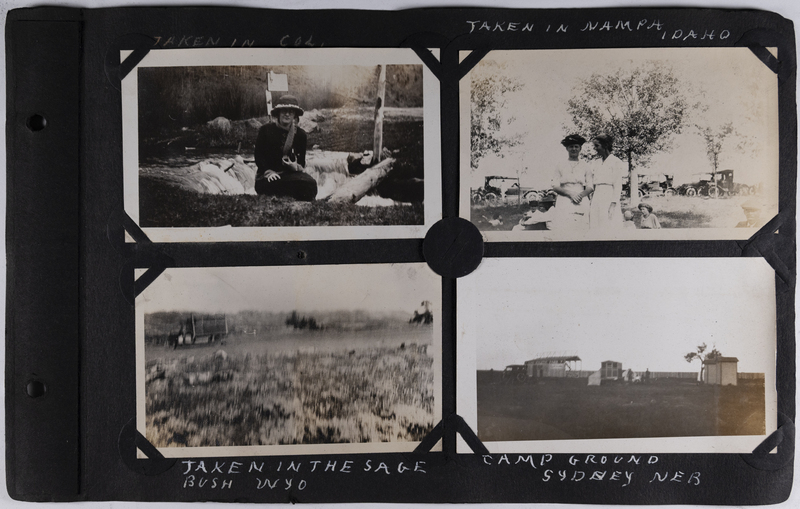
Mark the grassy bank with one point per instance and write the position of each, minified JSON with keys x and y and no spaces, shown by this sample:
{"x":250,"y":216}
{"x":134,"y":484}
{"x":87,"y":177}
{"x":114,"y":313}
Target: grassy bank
{"x":168,"y":206}
{"x":672,"y":212}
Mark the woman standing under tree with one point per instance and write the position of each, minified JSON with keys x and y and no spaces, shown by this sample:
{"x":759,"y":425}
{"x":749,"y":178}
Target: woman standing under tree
{"x":572,"y":183}
{"x":605,"y":210}
{"x":281,"y":154}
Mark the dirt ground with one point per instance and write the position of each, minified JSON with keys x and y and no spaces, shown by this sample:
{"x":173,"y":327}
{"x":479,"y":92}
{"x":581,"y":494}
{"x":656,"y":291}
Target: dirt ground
{"x":570,"y":409}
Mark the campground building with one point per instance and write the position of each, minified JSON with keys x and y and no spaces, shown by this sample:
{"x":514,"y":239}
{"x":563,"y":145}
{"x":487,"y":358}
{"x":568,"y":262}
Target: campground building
{"x":722,"y":371}
{"x":611,"y":369}
{"x":556,"y":366}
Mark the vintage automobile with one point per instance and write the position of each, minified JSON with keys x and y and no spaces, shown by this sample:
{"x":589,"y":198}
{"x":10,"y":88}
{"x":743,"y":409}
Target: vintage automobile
{"x":515,"y":374}
{"x":714,"y":185}
{"x":212,"y":327}
{"x":496,"y":188}
{"x":653,"y":184}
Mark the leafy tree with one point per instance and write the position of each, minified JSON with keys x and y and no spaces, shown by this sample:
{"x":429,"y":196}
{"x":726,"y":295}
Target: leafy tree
{"x":642,"y":108}
{"x":715,"y":139}
{"x":719,"y":137}
{"x":702,"y":356}
{"x":488,"y":107}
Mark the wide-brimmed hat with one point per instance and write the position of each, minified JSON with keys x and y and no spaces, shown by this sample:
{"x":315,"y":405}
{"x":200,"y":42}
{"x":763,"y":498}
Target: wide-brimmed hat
{"x":288,"y":102}
{"x":646,"y":206}
{"x":573,"y":139}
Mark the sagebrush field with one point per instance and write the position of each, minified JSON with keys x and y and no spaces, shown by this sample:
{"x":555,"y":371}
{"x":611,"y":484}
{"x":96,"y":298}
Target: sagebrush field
{"x":254,"y":391}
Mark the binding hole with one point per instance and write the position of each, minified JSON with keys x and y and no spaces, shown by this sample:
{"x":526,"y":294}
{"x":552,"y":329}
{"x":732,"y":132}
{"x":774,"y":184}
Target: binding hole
{"x":35,"y":388}
{"x":36,"y":122}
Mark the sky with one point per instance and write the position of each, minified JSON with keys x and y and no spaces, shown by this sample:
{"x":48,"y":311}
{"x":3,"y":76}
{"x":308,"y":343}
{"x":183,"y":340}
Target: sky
{"x":734,"y":84}
{"x":373,"y":287}
{"x":643,"y":312}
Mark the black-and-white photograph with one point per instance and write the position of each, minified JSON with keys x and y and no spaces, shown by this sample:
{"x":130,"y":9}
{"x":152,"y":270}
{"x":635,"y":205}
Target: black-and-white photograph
{"x":329,"y":142}
{"x":592,"y":351}
{"x":289,"y":360}
{"x":619,"y":144}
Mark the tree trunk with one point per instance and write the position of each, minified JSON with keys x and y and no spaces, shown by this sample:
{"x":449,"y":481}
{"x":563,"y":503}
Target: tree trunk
{"x":377,"y":140}
{"x":355,"y":189}
{"x":633,"y":178}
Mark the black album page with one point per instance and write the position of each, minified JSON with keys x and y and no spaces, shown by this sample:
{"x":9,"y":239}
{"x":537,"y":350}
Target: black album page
{"x":431,"y":255}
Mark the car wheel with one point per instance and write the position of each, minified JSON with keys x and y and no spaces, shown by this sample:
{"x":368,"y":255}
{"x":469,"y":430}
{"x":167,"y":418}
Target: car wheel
{"x":691,"y":192}
{"x":669,"y":192}
{"x":714,"y":192}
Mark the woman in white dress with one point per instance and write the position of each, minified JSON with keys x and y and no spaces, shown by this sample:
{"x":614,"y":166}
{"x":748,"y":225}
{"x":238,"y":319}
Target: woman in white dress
{"x":572,"y":184}
{"x":605,"y":211}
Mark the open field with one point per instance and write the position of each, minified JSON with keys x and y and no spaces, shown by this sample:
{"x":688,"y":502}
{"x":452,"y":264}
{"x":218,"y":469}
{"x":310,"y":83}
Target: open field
{"x":672,"y":212}
{"x":558,"y":409}
{"x":292,"y":388}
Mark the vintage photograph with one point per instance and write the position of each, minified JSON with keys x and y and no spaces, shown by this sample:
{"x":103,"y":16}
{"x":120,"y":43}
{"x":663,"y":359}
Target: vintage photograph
{"x":619,"y":144}
{"x":671,"y":355}
{"x":332,"y":143}
{"x":289,"y":360}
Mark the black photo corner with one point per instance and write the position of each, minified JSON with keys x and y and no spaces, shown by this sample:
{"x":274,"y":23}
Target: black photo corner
{"x":441,"y":254}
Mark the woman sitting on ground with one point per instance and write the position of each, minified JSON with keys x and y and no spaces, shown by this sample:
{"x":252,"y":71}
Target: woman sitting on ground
{"x":649,"y":220}
{"x":281,"y":154}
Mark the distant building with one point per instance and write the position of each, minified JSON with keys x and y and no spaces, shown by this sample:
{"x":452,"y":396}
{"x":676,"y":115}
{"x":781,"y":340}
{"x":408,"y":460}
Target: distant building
{"x":722,"y":371}
{"x":559,"y":366}
{"x":611,"y":369}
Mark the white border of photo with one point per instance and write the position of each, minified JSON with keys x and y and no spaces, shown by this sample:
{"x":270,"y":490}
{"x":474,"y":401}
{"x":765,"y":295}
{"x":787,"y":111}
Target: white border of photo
{"x":380,"y":288}
{"x":489,"y":313}
{"x":283,"y":56}
{"x":533,"y":114}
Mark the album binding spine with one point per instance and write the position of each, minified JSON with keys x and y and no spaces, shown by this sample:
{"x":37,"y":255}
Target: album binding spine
{"x":43,"y":62}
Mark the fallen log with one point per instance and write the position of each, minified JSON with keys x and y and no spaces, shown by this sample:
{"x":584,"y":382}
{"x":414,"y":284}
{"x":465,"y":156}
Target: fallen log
{"x":355,"y":189}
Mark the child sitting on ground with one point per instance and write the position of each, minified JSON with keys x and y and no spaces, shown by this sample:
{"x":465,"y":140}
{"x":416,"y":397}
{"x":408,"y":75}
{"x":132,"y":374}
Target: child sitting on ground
{"x":628,"y":220}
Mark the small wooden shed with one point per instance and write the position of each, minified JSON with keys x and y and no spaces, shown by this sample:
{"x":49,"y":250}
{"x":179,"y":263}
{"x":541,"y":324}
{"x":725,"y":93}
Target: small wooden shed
{"x":722,"y":371}
{"x":611,"y":369}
